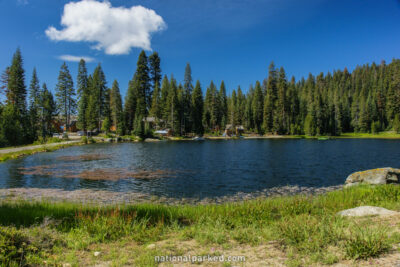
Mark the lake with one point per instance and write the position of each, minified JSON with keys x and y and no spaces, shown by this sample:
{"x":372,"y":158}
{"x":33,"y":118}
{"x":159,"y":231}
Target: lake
{"x":201,"y":169}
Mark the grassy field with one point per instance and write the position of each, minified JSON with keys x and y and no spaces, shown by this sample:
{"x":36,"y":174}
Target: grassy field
{"x":293,"y":231}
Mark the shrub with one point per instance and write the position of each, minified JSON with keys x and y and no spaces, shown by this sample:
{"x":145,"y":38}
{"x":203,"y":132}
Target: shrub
{"x":311,"y":234}
{"x":14,"y":246}
{"x":367,"y":242}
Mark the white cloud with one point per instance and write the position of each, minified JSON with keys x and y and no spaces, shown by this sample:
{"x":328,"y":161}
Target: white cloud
{"x":112,"y":29}
{"x":75,"y":58}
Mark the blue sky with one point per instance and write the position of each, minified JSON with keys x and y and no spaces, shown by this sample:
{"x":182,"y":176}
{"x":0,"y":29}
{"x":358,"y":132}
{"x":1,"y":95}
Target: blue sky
{"x":228,"y":40}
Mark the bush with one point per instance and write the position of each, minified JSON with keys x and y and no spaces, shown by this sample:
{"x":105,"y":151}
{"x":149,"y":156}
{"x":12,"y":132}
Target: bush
{"x":84,"y":139}
{"x":14,"y":246}
{"x":310,"y":234}
{"x":367,"y":242}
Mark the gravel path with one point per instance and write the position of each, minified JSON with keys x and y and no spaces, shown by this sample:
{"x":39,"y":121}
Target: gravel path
{"x":17,"y":149}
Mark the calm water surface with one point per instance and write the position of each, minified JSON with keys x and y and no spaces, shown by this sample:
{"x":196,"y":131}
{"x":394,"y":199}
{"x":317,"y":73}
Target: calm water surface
{"x":210,"y":168}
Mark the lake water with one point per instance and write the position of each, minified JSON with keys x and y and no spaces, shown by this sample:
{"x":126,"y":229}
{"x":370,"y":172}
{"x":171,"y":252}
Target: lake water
{"x":201,"y":169}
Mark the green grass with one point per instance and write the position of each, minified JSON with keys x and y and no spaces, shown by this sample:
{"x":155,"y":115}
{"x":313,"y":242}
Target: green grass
{"x":307,"y":227}
{"x":383,"y":135}
{"x":22,"y":153}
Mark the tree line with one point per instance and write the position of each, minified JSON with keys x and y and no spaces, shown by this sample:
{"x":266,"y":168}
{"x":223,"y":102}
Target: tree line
{"x":365,"y":100}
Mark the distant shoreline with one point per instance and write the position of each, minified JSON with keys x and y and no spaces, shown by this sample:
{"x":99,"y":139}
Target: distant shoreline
{"x":7,"y":153}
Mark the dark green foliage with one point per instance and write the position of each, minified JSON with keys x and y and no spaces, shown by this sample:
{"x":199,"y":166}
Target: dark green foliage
{"x":137,"y":102}
{"x":16,"y":89}
{"x":172,"y":108}
{"x":396,"y":123}
{"x":14,"y":247}
{"x":130,"y":105}
{"x":34,"y":104}
{"x":98,"y":108}
{"x":187,"y":100}
{"x":270,"y":99}
{"x":15,"y":124}
{"x":164,"y":98}
{"x":257,"y":107}
{"x":12,"y":127}
{"x":83,"y":94}
{"x":366,"y":100}
{"x":117,"y":116}
{"x":155,"y":69}
{"x":48,"y":110}
{"x":156,"y":108}
{"x":197,"y":109}
{"x":142,"y":86}
{"x":65,"y":95}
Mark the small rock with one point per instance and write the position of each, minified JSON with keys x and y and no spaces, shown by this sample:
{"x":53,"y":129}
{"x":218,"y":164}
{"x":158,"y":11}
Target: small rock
{"x":367,"y":211}
{"x":97,"y":253}
{"x":151,"y":246}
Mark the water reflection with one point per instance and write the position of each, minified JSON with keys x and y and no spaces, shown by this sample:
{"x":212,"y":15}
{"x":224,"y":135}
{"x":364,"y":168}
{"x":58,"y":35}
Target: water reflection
{"x":200,"y":169}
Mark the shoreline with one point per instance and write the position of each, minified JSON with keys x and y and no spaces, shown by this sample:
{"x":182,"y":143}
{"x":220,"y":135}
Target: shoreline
{"x":106,"y":197}
{"x":7,"y":153}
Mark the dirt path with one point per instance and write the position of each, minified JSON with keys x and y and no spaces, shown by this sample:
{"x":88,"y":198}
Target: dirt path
{"x":17,"y":149}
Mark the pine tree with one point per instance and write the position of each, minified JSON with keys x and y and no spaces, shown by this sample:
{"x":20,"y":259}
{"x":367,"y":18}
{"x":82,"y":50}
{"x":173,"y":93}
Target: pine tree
{"x":223,"y":105}
{"x":91,"y":110}
{"x":83,"y":94}
{"x":34,"y":96}
{"x":34,"y":91}
{"x":65,"y":94}
{"x":117,"y":118}
{"x":98,"y":94}
{"x":164,"y":98}
{"x":48,"y":111}
{"x":181,"y":110}
{"x":173,"y":107}
{"x":232,"y":109}
{"x":214,"y":107}
{"x":248,"y":117}
{"x":240,"y":106}
{"x":16,"y":90}
{"x":207,"y":109}
{"x":281,"y":111}
{"x":257,"y":107}
{"x":270,"y":99}
{"x":156,"y":109}
{"x":16,"y":128}
{"x":4,"y":77}
{"x":155,"y":74}
{"x":130,"y":105}
{"x":142,"y":84}
{"x":187,"y":99}
{"x":197,"y":109}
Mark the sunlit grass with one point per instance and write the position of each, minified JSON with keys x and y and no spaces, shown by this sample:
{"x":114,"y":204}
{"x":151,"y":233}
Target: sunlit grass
{"x":22,"y":153}
{"x":306,"y":226}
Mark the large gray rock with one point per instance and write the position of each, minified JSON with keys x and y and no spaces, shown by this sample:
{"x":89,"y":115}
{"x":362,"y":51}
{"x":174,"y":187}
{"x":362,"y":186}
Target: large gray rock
{"x":367,"y":211}
{"x":375,"y":176}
